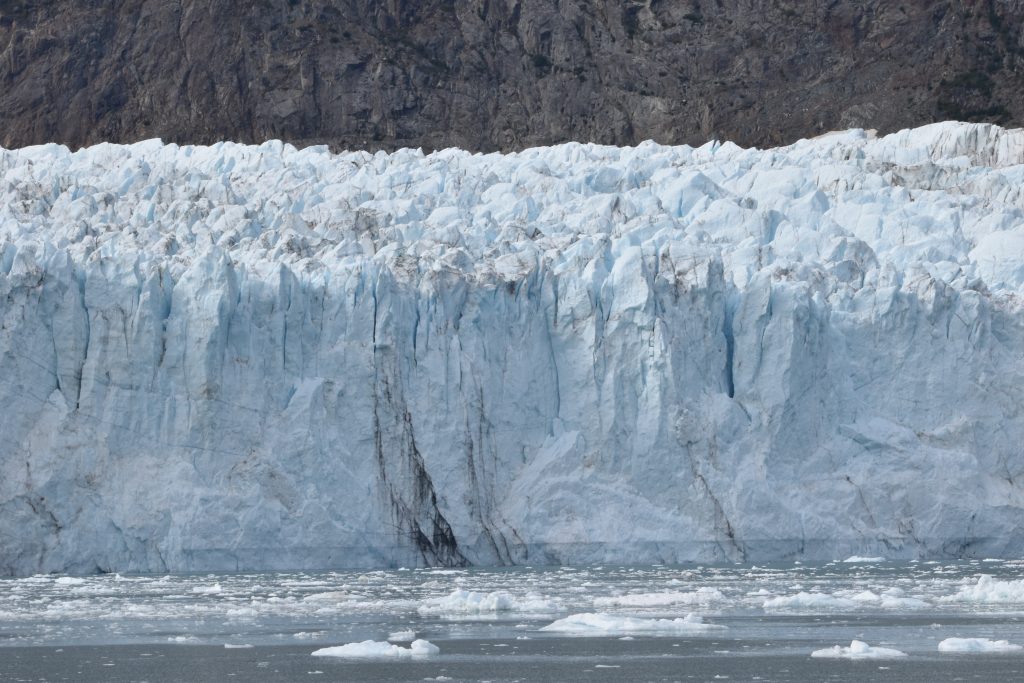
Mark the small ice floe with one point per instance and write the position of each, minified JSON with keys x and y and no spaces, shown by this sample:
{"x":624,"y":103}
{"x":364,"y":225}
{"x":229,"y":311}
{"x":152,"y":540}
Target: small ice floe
{"x":207,"y":590}
{"x":892,"y":598}
{"x":332,"y":597}
{"x":373,"y":649}
{"x":402,"y":636}
{"x":858,"y":650}
{"x":701,"y":596}
{"x":989,"y":591}
{"x":813,"y":601}
{"x":68,"y":581}
{"x":612,"y":625}
{"x":232,"y":646}
{"x":977,"y":645}
{"x":471,"y":602}
{"x":857,"y":559}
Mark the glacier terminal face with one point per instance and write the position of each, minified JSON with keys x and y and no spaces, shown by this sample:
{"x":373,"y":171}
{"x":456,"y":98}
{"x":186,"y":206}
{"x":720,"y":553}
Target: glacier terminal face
{"x":236,"y":357}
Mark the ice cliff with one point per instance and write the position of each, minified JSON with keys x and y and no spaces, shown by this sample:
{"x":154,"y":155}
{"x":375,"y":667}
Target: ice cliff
{"x":261,"y":357}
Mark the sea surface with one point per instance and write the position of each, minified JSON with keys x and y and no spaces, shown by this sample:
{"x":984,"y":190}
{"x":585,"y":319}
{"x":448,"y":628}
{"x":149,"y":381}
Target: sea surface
{"x":611,"y":623}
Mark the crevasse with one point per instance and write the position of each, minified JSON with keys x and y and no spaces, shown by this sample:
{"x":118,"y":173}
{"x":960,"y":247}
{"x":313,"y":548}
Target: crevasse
{"x":237,"y":357}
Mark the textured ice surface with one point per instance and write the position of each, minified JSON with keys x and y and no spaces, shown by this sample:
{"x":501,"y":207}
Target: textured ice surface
{"x":614,"y":625}
{"x":700,"y":596}
{"x":328,"y":608}
{"x":989,"y":590}
{"x":813,"y":601}
{"x":858,"y":650}
{"x":372,"y":649}
{"x":471,"y":602}
{"x":977,"y":645}
{"x":236,"y":357}
{"x":402,"y":636}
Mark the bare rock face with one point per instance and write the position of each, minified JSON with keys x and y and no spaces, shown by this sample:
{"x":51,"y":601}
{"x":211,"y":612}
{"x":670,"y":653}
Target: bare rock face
{"x":500,"y":74}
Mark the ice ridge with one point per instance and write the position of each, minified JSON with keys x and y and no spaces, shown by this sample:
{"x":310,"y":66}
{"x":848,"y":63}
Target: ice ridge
{"x":236,"y":357}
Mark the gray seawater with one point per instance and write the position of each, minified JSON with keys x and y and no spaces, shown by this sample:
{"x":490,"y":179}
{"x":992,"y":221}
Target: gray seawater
{"x":488,"y":623}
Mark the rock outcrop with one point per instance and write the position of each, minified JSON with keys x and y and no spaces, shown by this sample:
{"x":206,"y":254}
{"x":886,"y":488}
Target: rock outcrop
{"x":500,"y":74}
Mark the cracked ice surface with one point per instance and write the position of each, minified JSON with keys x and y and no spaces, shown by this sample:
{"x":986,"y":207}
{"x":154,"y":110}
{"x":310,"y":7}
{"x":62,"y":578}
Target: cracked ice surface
{"x":237,"y":357}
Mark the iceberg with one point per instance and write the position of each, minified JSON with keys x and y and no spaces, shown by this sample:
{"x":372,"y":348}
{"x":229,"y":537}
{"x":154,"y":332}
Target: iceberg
{"x":461,"y":602}
{"x":590,"y":624}
{"x":258,"y":357}
{"x":977,"y":645}
{"x":858,"y":650}
{"x":373,"y":649}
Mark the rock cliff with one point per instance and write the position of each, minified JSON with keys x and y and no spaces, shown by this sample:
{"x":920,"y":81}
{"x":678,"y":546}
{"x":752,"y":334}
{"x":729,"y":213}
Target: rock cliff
{"x":500,"y":74}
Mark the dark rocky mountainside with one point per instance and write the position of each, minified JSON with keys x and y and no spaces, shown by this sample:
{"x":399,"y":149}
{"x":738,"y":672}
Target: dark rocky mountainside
{"x":500,"y":74}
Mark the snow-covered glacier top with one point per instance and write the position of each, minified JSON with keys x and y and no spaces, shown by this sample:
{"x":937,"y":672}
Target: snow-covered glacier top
{"x":237,"y":357}
{"x":849,"y":209}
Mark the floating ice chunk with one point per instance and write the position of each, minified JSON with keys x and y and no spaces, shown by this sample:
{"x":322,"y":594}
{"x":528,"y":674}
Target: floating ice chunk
{"x":858,"y":650}
{"x":232,"y":646}
{"x":332,"y":596}
{"x":977,"y":645}
{"x":207,"y":590}
{"x":813,"y":601}
{"x":895,"y":603}
{"x":471,"y":602}
{"x":373,"y":649}
{"x":856,"y":559}
{"x":402,"y":636}
{"x":989,"y":591}
{"x":610,"y":624}
{"x":701,"y":596}
{"x":68,"y":581}
{"x":890,"y":599}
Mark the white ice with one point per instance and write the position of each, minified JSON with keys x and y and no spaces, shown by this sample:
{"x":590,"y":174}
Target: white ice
{"x":470,"y":602}
{"x":857,"y":559}
{"x":402,"y":636}
{"x":811,"y":601}
{"x":700,"y":596}
{"x":990,"y":591}
{"x":612,"y":625}
{"x":858,"y":650}
{"x":372,"y":649}
{"x":974,"y":645}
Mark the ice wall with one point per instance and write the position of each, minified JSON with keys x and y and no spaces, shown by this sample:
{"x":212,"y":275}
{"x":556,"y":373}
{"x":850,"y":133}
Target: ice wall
{"x":237,"y":357}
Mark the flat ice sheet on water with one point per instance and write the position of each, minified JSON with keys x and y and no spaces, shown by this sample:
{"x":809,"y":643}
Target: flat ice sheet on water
{"x":471,"y":602}
{"x":858,"y":650}
{"x":974,"y":645}
{"x":374,"y":649}
{"x":613,"y":625}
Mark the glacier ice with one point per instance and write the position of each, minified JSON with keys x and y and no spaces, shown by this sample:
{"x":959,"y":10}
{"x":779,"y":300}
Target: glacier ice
{"x":235,"y":357}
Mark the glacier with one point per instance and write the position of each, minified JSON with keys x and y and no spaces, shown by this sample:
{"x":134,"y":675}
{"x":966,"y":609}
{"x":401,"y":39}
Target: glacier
{"x":256,"y":357}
